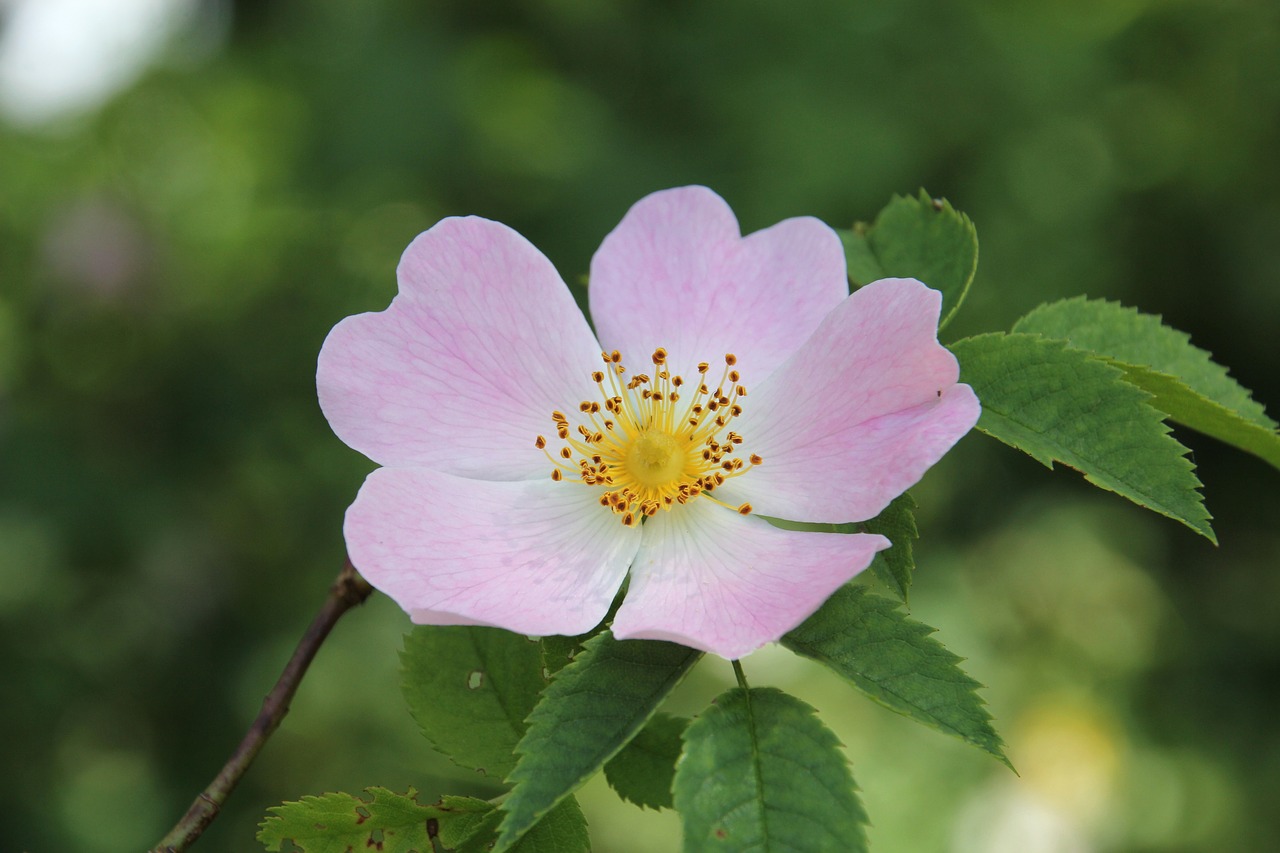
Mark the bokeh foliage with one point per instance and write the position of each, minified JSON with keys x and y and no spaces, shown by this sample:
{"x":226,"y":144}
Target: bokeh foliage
{"x":170,"y":497}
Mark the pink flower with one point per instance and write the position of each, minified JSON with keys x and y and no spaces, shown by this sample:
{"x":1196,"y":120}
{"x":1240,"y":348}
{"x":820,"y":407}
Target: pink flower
{"x":529,"y":465}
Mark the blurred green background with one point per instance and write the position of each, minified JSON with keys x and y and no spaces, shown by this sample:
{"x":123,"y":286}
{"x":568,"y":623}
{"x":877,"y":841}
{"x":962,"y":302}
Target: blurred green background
{"x":173,"y":253}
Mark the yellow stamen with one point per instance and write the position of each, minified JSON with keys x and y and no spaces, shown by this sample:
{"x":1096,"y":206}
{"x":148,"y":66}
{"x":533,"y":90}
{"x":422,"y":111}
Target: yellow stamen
{"x":654,"y":453}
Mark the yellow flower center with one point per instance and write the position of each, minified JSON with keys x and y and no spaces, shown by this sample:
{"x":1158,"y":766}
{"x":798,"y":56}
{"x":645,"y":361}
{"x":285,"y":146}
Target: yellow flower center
{"x":646,"y":445}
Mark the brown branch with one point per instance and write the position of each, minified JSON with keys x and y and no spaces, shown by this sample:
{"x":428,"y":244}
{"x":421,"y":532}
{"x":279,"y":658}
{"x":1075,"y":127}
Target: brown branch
{"x":347,"y":591}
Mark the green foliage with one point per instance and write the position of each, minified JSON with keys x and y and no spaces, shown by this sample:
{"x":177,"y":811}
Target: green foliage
{"x":1184,"y":381}
{"x":760,"y":772}
{"x":337,"y":823}
{"x":473,"y":821}
{"x":897,"y":523}
{"x":642,"y":772}
{"x":557,"y":651}
{"x":588,"y":713}
{"x":561,"y":830}
{"x":895,"y":565}
{"x":892,"y":658}
{"x":166,"y":473}
{"x":470,"y":689}
{"x":921,"y":238}
{"x":396,"y":823}
{"x":1060,"y":404}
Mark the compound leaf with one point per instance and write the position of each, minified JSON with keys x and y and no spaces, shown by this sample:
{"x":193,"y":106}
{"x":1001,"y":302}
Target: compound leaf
{"x":1183,"y":380}
{"x":1061,"y":404}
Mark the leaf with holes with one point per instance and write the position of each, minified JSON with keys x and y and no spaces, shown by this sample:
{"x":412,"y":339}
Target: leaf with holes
{"x":336,"y":823}
{"x":892,"y":658}
{"x":1060,"y":404}
{"x":642,"y":772}
{"x":1184,"y":381}
{"x":470,"y":689}
{"x":557,"y":651}
{"x":761,"y":772}
{"x":920,"y":238}
{"x":588,"y":713}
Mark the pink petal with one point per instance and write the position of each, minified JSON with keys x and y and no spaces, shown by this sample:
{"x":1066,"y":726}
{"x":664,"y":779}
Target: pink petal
{"x":465,"y":367}
{"x":676,"y":273}
{"x":535,"y":557}
{"x":718,"y":581}
{"x":858,"y":415}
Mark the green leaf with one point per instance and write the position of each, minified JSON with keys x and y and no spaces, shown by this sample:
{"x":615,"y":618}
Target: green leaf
{"x":861,"y":262}
{"x":814,"y":526}
{"x":557,"y":651}
{"x":473,"y":825}
{"x":1183,"y":380}
{"x":642,"y":772}
{"x":892,"y":658}
{"x":588,"y":713}
{"x":921,"y":238}
{"x":1060,"y":404}
{"x":561,"y":830}
{"x":761,"y":773}
{"x":470,"y":689}
{"x":338,"y":823}
{"x":897,"y":523}
{"x":396,"y":823}
{"x":1172,"y":396}
{"x":895,"y":565}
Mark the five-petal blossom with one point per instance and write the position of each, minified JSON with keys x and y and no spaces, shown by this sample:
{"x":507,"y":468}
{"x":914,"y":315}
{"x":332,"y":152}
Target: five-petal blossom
{"x":529,"y":465}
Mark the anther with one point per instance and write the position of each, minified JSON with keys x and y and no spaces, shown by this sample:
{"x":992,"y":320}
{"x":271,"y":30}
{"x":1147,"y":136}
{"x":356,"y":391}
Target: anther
{"x":699,"y":454}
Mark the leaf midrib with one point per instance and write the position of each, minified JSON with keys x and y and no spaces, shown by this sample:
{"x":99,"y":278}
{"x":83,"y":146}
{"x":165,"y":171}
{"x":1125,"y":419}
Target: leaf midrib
{"x":757,"y":770}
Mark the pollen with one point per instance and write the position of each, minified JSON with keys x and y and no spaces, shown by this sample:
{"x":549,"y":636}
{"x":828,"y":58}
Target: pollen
{"x":654,"y":448}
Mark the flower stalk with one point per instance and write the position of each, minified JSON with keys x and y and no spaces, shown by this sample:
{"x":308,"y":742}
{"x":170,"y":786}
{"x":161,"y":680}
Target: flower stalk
{"x":348,"y":591}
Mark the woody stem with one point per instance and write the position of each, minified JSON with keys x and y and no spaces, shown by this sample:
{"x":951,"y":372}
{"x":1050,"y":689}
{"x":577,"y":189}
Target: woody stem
{"x":348,"y":591}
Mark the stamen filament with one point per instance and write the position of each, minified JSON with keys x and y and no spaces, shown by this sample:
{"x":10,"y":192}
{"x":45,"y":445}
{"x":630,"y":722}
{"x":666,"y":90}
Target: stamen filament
{"x":648,"y":451}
